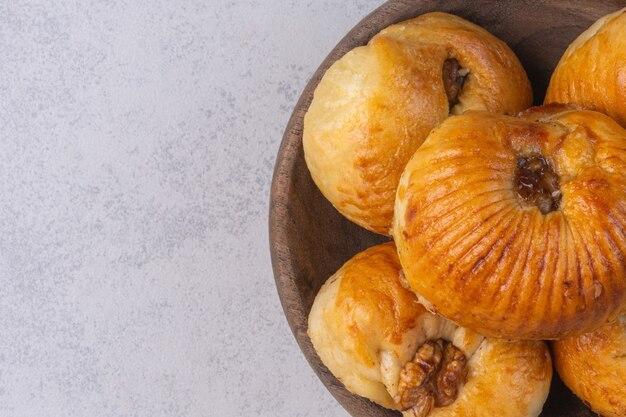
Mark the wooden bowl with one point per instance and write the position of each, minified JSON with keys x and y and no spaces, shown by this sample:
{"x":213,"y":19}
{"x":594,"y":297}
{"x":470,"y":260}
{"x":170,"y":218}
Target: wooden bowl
{"x":310,"y":240}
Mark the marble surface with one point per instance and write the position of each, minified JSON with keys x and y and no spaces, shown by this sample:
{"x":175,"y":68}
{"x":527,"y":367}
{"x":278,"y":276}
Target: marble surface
{"x":138,"y":142}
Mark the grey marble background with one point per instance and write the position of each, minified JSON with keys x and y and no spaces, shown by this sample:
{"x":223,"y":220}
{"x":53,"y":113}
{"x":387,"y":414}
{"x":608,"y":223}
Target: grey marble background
{"x":137,"y":145}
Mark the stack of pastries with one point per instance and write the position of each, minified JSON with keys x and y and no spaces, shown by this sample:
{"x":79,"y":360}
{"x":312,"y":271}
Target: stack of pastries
{"x":508,"y":221}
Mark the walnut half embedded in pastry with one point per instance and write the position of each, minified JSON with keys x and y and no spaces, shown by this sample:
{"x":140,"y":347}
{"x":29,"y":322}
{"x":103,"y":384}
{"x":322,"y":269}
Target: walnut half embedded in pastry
{"x":431,"y":379}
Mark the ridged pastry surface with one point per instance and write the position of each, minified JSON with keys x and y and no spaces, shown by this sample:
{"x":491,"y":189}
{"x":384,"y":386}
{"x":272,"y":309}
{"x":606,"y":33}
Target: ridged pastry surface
{"x":375,"y":106}
{"x":592,"y":72}
{"x":366,"y":327}
{"x":593,"y":365}
{"x":488,"y":261}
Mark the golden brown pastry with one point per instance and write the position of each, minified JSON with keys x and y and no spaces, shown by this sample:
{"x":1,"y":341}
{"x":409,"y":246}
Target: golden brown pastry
{"x":374,"y":337}
{"x":375,"y":106}
{"x":592,"y":72}
{"x":516,"y":227}
{"x":594,"y":367}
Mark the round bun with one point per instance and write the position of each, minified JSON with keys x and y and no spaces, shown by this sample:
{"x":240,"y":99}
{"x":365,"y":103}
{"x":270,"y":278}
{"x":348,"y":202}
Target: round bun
{"x":367,"y":329}
{"x":594,"y":367}
{"x":592,"y":72}
{"x":375,"y":106}
{"x":521,"y":218}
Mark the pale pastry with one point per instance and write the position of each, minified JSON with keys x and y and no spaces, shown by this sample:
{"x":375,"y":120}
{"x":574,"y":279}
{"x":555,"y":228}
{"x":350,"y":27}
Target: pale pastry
{"x":375,"y":106}
{"x":376,"y":338}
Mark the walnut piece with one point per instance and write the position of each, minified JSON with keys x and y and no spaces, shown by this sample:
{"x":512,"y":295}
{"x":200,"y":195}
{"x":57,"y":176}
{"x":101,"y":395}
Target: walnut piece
{"x":453,"y":79}
{"x":538,"y":183}
{"x":432,"y":378}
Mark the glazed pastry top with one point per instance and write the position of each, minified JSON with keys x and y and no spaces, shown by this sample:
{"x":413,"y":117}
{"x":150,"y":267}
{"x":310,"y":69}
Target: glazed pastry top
{"x":593,"y":365}
{"x":592,"y":71}
{"x":521,"y":218}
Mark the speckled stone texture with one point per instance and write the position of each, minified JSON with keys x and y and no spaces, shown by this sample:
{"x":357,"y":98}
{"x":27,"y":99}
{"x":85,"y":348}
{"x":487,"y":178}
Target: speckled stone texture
{"x":137,"y":145}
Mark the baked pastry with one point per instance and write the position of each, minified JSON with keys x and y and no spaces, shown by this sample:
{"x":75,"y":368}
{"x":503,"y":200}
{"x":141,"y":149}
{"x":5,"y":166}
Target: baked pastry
{"x":521,"y":218}
{"x":594,"y":367}
{"x":375,"y":337}
{"x":375,"y":106}
{"x":592,"y":72}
